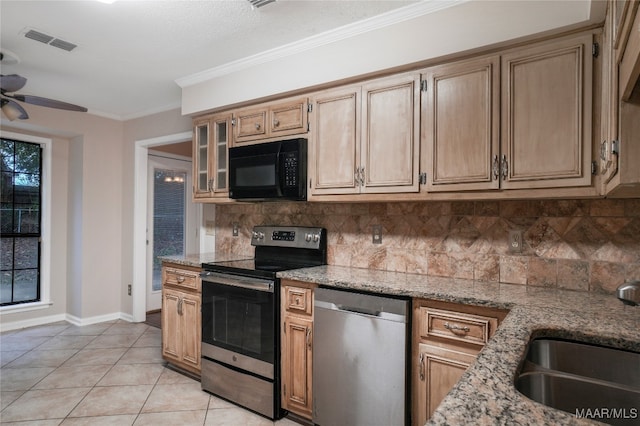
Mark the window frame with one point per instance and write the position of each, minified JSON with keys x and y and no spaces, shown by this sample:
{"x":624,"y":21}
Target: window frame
{"x":45,"y":224}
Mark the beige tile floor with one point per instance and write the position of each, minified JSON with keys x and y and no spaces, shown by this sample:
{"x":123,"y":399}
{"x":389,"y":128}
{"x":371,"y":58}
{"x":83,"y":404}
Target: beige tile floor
{"x":110,"y":373}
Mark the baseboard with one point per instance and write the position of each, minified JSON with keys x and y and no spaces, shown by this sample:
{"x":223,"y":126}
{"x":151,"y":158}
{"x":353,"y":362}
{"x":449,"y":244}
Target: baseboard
{"x":16,"y":325}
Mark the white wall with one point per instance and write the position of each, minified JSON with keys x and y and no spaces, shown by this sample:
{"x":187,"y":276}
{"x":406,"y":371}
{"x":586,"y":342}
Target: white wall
{"x":466,"y":26}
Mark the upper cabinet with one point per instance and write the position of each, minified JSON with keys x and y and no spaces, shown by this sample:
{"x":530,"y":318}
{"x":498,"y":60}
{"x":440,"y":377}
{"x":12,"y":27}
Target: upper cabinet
{"x":619,"y":149}
{"x":270,"y":120}
{"x":365,"y":139}
{"x":211,"y":140}
{"x":460,"y":125}
{"x":521,"y":120}
{"x":513,"y":123}
{"x":547,"y":114}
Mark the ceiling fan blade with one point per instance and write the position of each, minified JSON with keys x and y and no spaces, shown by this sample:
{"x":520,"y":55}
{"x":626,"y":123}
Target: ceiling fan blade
{"x":13,"y":110}
{"x":12,"y":82}
{"x":49,"y":103}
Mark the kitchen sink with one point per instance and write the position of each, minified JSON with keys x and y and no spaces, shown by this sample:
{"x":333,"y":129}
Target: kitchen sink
{"x":582,"y":379}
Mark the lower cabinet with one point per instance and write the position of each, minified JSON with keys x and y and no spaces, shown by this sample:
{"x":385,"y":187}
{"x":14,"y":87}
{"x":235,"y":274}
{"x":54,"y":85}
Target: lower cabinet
{"x":297,"y":347}
{"x":446,"y":339}
{"x":181,"y":321}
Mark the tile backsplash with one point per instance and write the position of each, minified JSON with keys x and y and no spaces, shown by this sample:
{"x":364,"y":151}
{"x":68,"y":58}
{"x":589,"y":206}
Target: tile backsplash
{"x":585,"y":245}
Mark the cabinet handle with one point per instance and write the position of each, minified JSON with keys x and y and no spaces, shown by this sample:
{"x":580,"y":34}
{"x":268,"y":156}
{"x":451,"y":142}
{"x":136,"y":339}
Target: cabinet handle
{"x":422,"y":367}
{"x":504,"y":166}
{"x":276,"y":123}
{"x":309,"y":338}
{"x":180,"y":301}
{"x":496,"y":168}
{"x":257,"y":126}
{"x":454,"y":328}
{"x":356,"y":174}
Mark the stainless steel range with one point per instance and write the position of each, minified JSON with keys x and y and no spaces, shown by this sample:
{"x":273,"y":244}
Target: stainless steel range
{"x":241,"y":316}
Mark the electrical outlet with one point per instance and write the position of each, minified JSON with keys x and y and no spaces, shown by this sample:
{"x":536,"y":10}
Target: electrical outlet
{"x":515,"y":241}
{"x":234,"y":232}
{"x":129,"y":289}
{"x":376,"y":234}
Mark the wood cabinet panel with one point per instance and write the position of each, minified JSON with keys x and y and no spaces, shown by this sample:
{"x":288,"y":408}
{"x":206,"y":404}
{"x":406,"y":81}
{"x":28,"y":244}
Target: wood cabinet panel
{"x":181,"y":317}
{"x":250,"y":125}
{"x":546,"y":107}
{"x":390,"y":153}
{"x":297,"y":347}
{"x":446,"y":340}
{"x":439,"y":371}
{"x":171,"y":333}
{"x":212,"y":138}
{"x":263,"y":123}
{"x":298,"y":361}
{"x":335,"y":148}
{"x":461,"y":125}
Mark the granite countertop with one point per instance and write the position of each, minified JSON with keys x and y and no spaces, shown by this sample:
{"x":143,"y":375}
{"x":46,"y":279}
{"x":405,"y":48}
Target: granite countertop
{"x":196,"y":260}
{"x":486,"y":394}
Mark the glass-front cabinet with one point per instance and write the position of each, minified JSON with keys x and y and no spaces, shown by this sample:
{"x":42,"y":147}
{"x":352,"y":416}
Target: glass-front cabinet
{"x":211,"y":138}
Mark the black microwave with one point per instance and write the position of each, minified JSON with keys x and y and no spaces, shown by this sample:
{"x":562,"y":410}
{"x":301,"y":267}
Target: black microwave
{"x":269,"y":171}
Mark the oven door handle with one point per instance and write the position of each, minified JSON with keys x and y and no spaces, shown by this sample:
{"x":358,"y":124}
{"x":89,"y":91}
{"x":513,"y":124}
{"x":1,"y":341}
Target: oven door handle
{"x":238,"y":281}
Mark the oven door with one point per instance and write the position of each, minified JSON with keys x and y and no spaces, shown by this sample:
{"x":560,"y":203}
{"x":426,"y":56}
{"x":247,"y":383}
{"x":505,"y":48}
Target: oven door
{"x":238,"y":322}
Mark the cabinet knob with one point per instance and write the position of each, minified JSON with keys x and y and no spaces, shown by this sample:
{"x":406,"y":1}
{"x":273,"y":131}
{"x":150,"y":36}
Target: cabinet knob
{"x":257,"y":126}
{"x":276,"y":123}
{"x":297,"y":300}
{"x":180,"y":278}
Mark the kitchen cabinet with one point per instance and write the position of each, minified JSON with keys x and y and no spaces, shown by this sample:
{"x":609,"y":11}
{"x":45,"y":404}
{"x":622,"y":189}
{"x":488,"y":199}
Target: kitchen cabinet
{"x":181,"y":322}
{"x":460,"y":125}
{"x":271,"y":120}
{"x":211,"y":140}
{"x":520,"y":120}
{"x":619,"y":152}
{"x":365,"y":139}
{"x":297,"y":347}
{"x":446,"y":340}
{"x":547,"y":114}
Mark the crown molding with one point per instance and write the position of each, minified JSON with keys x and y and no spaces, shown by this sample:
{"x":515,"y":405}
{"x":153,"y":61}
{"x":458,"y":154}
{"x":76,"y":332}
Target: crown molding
{"x":390,"y":18}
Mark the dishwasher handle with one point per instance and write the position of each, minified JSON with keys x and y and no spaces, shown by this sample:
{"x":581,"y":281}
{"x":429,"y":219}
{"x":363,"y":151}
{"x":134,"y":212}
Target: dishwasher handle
{"x":320,"y":304}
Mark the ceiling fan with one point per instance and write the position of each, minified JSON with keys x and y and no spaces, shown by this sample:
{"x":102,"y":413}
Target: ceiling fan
{"x":9,"y":84}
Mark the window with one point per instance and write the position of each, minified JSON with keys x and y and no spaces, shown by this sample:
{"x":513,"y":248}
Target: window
{"x":20,"y":222}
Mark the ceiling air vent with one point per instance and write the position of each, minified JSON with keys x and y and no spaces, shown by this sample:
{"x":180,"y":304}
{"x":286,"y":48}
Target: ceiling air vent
{"x":51,"y":41}
{"x":259,"y":3}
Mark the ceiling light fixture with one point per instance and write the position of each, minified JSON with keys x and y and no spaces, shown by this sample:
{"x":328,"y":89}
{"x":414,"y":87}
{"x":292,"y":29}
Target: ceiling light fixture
{"x":259,"y":3}
{"x":11,"y":111}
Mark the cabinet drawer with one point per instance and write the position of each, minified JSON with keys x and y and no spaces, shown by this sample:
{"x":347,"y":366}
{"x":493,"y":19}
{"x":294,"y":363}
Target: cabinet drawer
{"x":298,"y":300}
{"x":289,"y":118}
{"x":456,"y":326}
{"x":251,"y":125}
{"x":181,"y":278}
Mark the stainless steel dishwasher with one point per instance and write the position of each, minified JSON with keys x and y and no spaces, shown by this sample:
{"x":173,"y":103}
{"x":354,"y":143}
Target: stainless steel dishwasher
{"x":360,"y":353}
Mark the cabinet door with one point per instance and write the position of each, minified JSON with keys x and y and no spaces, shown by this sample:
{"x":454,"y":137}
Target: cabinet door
{"x":250,"y":125}
{"x":461,"y":125}
{"x":288,"y":118}
{"x":191,"y":330}
{"x":438,"y":371}
{"x":202,"y":172}
{"x":296,"y":365}
{"x":221,"y":127}
{"x":335,"y":151}
{"x":546,"y":114}
{"x":390,"y":134}
{"x":171,"y":328}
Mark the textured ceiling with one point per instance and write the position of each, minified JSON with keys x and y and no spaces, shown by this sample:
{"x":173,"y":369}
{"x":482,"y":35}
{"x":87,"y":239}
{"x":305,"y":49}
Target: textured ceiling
{"x":130,"y":53}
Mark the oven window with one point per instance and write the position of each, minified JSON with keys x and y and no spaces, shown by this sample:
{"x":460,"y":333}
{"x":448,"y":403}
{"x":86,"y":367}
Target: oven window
{"x":256,"y":176}
{"x":238,"y":319}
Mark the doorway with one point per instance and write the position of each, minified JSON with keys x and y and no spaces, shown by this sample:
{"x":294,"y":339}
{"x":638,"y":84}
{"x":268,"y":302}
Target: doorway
{"x":171,"y":218}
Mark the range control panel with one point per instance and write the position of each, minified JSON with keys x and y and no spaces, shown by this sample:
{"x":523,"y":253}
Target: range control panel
{"x":288,"y":236}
